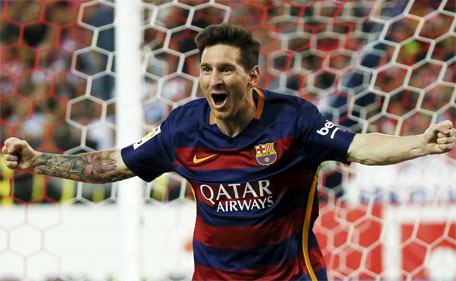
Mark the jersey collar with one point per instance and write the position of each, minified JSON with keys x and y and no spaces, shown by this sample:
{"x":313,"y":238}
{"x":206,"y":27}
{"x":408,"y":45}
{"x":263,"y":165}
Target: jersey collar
{"x":259,"y":108}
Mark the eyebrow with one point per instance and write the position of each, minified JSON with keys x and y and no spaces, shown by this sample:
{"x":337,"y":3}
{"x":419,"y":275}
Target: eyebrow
{"x":225,"y":64}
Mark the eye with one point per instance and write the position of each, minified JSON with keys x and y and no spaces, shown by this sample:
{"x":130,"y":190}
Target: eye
{"x":205,"y":69}
{"x":226,"y":69}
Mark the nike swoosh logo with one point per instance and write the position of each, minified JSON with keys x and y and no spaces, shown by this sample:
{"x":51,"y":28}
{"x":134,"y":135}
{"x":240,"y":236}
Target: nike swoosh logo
{"x":196,"y":160}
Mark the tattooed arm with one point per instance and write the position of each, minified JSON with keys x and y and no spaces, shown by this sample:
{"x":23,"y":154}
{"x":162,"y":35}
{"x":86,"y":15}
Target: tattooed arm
{"x":94,"y":167}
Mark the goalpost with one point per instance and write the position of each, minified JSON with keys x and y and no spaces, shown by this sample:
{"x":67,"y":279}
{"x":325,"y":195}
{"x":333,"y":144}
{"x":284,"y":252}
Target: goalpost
{"x":370,"y":66}
{"x":129,"y":119}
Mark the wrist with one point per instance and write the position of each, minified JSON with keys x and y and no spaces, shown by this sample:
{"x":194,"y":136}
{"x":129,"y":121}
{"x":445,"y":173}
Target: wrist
{"x":424,"y":145}
{"x":37,"y":155}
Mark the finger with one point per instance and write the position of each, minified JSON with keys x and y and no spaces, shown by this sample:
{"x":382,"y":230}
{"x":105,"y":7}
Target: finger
{"x":11,"y":157}
{"x":453,"y":132}
{"x":441,"y":140}
{"x":446,"y":147}
{"x":444,"y":127}
{"x":11,"y":164}
{"x":16,"y":146}
{"x":444,"y":140}
{"x":449,"y":133}
{"x":11,"y":140}
{"x":437,"y":129}
{"x":447,"y":123}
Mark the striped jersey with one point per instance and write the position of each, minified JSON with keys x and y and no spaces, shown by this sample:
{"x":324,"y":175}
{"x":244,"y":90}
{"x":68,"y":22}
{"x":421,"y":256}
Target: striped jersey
{"x":255,"y":193}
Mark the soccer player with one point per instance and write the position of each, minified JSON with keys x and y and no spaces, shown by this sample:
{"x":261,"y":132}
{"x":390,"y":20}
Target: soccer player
{"x":252,"y":158}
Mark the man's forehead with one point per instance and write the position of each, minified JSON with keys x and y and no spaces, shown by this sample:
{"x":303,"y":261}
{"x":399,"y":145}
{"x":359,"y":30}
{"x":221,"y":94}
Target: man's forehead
{"x":220,"y":53}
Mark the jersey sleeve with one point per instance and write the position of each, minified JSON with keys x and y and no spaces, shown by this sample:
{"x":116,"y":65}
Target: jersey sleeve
{"x":321,"y":139}
{"x":152,"y":155}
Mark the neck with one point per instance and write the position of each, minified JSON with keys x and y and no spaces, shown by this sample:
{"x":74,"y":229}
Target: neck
{"x":234,"y":126}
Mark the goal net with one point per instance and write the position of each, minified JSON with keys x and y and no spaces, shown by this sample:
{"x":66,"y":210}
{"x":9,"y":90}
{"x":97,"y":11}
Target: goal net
{"x":384,"y":66}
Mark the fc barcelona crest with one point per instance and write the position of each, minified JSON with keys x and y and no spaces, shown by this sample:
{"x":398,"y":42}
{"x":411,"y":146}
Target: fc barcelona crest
{"x":265,"y":154}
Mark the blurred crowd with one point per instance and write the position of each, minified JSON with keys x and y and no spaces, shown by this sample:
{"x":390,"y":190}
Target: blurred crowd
{"x":57,"y":65}
{"x":38,"y":81}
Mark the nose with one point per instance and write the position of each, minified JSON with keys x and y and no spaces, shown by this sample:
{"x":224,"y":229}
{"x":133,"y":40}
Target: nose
{"x":216,"y":79}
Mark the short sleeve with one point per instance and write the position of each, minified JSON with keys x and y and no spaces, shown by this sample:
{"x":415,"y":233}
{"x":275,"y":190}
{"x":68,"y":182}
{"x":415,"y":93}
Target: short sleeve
{"x":321,"y":139}
{"x":152,"y":155}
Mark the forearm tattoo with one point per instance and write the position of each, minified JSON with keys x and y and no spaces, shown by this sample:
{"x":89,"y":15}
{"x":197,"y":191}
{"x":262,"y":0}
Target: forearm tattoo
{"x":95,"y":167}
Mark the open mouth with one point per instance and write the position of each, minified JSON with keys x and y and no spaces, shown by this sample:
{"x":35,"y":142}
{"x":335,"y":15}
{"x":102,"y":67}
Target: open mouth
{"x":219,"y":99}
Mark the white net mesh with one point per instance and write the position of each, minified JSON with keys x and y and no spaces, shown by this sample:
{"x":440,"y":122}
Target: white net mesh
{"x":370,"y":66}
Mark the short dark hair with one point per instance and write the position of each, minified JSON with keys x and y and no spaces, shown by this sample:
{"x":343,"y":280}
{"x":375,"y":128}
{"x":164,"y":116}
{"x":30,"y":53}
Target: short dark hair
{"x":232,"y":35}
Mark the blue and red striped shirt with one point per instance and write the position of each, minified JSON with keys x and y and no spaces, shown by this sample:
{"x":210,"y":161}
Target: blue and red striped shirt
{"x":255,"y":193}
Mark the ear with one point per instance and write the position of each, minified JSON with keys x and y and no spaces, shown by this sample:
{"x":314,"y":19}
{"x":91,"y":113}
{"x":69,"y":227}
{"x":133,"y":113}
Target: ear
{"x":254,"y":76}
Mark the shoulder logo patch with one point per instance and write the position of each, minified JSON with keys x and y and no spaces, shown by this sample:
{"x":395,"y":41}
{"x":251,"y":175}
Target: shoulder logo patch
{"x":326,"y":128}
{"x":147,"y":137}
{"x":265,"y":154}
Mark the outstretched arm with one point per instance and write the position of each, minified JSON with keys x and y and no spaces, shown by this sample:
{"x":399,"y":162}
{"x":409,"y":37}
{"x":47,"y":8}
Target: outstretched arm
{"x":380,"y":149}
{"x":94,"y":167}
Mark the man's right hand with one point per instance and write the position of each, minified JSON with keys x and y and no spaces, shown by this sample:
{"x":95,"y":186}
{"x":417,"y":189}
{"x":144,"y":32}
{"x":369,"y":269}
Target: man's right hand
{"x":95,"y":167}
{"x":18,"y":154}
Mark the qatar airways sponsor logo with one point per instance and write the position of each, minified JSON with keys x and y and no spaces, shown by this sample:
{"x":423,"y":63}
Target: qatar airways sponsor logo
{"x":237,"y":197}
